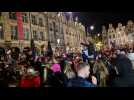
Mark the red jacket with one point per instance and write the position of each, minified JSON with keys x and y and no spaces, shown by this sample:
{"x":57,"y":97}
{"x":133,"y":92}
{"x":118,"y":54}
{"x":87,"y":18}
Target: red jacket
{"x":34,"y":82}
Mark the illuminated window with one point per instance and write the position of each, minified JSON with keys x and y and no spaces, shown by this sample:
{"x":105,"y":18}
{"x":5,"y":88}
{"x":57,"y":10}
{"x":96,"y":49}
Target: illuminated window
{"x":41,"y":22}
{"x":113,"y":35}
{"x":50,"y":27}
{"x":26,"y":33}
{"x":14,"y":33}
{"x":56,"y":28}
{"x":35,"y":35}
{"x":12,"y":15}
{"x":1,"y":31}
{"x":34,"y":20}
{"x":40,"y":36}
{"x":24,"y":17}
{"x":110,"y":36}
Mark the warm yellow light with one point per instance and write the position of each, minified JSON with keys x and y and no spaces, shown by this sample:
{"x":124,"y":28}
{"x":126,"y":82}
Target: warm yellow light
{"x":99,"y":45}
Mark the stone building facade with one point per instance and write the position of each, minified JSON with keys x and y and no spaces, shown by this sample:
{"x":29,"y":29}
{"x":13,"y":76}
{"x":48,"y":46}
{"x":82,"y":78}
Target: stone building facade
{"x":120,"y":35}
{"x":42,"y":27}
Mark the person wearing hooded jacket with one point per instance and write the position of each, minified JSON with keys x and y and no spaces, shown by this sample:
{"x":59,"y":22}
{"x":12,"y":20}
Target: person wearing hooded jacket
{"x":55,"y":77}
{"x":101,"y":72}
{"x":80,"y":80}
{"x":125,"y":76}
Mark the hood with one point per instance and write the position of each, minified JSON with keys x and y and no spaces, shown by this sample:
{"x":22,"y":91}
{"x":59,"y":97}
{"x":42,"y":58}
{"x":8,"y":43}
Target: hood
{"x":124,"y":65}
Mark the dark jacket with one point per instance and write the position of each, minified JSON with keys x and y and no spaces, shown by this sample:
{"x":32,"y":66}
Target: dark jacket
{"x":91,"y":48}
{"x":38,"y":66}
{"x":56,"y":79}
{"x":79,"y":82}
{"x":84,"y":57}
{"x":125,"y":76}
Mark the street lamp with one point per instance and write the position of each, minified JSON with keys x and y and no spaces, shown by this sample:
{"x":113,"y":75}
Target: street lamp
{"x":58,"y":41}
{"x":67,"y":49}
{"x":92,"y":27}
{"x":131,"y":40}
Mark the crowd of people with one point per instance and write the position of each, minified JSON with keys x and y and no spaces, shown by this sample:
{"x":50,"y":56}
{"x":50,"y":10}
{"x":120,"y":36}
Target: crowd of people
{"x":88,"y":68}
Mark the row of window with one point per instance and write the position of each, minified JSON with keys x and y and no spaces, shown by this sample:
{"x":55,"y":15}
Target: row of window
{"x":38,"y":36}
{"x":75,"y":35}
{"x":120,"y":29}
{"x":14,"y":33}
{"x":12,"y":15}
{"x":113,"y":36}
{"x":1,"y":31}
{"x":53,"y":27}
{"x":119,"y":41}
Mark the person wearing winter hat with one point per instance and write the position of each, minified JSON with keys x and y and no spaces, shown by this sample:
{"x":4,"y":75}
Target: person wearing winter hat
{"x":56,"y":77}
{"x":56,"y":68}
{"x":125,"y":75}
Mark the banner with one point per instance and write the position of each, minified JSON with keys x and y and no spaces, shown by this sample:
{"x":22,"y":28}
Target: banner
{"x":20,"y":26}
{"x":1,"y":19}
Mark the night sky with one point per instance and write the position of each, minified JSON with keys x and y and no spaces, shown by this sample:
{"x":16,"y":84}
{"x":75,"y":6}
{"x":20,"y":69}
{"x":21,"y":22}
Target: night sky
{"x":103,"y":18}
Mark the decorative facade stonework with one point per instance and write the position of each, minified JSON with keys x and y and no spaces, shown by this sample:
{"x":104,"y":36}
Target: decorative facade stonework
{"x":42,"y":27}
{"x":121,"y":35}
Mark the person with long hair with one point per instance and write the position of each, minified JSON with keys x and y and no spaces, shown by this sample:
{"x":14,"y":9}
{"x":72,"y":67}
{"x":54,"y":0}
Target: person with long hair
{"x":101,"y":72}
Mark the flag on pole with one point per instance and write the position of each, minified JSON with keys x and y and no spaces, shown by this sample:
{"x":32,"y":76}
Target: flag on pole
{"x":20,"y":26}
{"x":33,"y":48}
{"x":32,"y":43}
{"x":49,"y":50}
{"x":30,"y":26}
